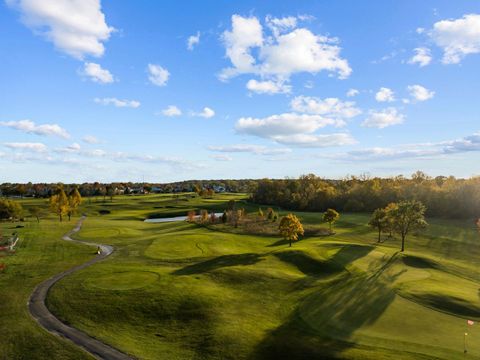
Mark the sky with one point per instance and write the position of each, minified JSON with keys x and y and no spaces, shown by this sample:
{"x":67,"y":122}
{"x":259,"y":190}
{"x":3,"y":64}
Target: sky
{"x":108,"y":91}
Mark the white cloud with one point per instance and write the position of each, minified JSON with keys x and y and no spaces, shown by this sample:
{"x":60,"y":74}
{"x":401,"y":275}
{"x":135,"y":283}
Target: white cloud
{"x":422,"y":57}
{"x":329,"y":107}
{"x":117,"y":102}
{"x":289,"y":50}
{"x":77,"y":27}
{"x":421,"y":150}
{"x":205,"y":113}
{"x":193,"y":40}
{"x":97,"y":74}
{"x":268,"y":87}
{"x":222,"y":157}
{"x":250,"y":148}
{"x":384,"y":118}
{"x":457,"y":38}
{"x":286,"y":124}
{"x":72,"y":148}
{"x":90,"y":139}
{"x":246,"y":33}
{"x":27,"y":146}
{"x":352,"y":92}
{"x":312,"y":140}
{"x":465,"y":144}
{"x":381,"y":154}
{"x":419,"y":93}
{"x":420,"y":30}
{"x":158,"y":75}
{"x":172,"y":110}
{"x":384,"y":95}
{"x":29,"y":126}
{"x":280,"y":25}
{"x":309,"y":84}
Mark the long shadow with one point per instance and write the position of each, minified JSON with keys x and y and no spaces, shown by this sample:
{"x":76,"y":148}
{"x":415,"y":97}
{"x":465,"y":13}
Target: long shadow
{"x":349,"y":253}
{"x":282,"y":242}
{"x":219,"y":262}
{"x":308,"y":265}
{"x":323,"y":323}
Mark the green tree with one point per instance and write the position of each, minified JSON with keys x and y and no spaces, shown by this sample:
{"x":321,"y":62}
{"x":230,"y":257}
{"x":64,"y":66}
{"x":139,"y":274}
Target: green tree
{"x":407,"y":217}
{"x":74,"y":201}
{"x":110,"y":192}
{"x":10,"y":210}
{"x":379,"y":221}
{"x":290,"y":228}
{"x":59,"y":203}
{"x":331,"y":216}
{"x":36,"y":212}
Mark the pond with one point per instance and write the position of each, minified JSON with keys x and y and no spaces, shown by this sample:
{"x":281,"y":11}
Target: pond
{"x":175,"y":218}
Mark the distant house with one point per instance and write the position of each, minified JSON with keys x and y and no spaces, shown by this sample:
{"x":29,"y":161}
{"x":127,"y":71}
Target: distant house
{"x":219,"y":188}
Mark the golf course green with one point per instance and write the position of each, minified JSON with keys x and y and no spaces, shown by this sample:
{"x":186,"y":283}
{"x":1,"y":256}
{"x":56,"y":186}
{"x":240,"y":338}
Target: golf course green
{"x":180,"y":290}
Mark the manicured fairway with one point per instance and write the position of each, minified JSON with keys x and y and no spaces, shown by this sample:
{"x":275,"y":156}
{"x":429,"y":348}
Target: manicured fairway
{"x":184,"y":291}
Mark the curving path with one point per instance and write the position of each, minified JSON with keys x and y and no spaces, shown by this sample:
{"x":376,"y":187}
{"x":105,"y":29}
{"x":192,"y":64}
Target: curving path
{"x":47,"y":320}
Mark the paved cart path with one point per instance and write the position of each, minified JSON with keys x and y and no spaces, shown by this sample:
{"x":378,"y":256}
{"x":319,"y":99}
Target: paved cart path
{"x":47,"y":320}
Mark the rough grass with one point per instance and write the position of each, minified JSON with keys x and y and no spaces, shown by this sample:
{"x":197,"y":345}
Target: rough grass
{"x":183,"y":291}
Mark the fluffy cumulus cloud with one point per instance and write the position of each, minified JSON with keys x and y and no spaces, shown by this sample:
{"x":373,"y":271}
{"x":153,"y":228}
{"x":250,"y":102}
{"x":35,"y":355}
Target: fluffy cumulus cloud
{"x":117,"y":102}
{"x":457,"y":37}
{"x":383,"y":118}
{"x":193,"y":40}
{"x":268,"y":87}
{"x":422,"y":56}
{"x":30,"y":127}
{"x":287,"y":49}
{"x":385,"y":95}
{"x":299,"y":127}
{"x":282,"y":125}
{"x":249,"y":148}
{"x":420,"y":93}
{"x":97,"y":74}
{"x":76,"y":27}
{"x":171,"y":111}
{"x":352,"y":92}
{"x":157,"y":75}
{"x":27,"y":146}
{"x":205,"y":113}
{"x":329,"y":107}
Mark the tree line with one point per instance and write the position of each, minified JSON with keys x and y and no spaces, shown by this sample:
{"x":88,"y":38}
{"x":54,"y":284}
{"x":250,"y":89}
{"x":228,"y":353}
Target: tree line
{"x":443,"y":196}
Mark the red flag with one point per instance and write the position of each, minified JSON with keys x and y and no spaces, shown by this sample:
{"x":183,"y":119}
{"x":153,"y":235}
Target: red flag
{"x":470,"y":322}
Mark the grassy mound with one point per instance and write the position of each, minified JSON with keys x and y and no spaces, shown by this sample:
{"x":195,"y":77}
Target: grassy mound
{"x":127,"y":280}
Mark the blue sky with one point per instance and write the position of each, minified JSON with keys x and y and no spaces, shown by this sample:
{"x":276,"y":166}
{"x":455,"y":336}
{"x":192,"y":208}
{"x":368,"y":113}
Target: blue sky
{"x":165,"y":91}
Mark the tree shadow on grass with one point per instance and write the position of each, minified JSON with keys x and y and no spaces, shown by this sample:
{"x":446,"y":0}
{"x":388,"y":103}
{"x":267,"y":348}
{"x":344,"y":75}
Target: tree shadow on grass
{"x":219,"y":262}
{"x":323,"y":323}
{"x":349,"y":253}
{"x":308,"y":265}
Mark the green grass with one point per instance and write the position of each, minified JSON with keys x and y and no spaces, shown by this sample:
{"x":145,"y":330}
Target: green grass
{"x":183,"y":291}
{"x":40,"y":254}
